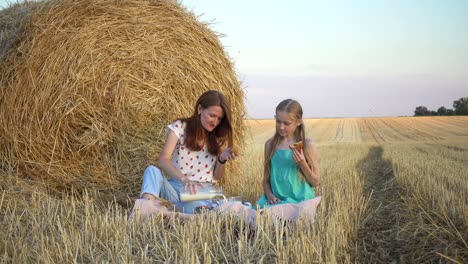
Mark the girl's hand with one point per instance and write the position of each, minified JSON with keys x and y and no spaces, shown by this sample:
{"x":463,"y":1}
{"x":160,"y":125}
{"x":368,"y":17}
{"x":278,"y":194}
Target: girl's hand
{"x":228,"y":154}
{"x":298,"y":157}
{"x":272,"y":199}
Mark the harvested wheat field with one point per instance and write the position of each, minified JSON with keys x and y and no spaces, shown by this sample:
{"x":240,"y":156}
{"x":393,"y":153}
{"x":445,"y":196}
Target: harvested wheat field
{"x":395,"y":191}
{"x":86,"y":88}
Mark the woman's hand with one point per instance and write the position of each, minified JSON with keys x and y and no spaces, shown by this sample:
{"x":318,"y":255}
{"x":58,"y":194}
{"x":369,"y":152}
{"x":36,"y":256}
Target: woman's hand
{"x":190,"y":186}
{"x":272,"y":199}
{"x":228,"y":154}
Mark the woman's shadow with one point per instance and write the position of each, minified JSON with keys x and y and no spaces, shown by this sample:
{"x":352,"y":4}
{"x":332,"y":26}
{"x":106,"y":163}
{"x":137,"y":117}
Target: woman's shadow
{"x":377,"y":235}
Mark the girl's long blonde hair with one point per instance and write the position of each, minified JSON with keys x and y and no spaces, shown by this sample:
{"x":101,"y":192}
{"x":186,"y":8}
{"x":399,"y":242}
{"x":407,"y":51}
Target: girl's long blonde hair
{"x":294,"y":109}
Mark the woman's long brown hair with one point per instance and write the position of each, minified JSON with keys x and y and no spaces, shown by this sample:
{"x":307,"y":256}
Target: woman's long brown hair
{"x":294,"y":109}
{"x":196,"y":135}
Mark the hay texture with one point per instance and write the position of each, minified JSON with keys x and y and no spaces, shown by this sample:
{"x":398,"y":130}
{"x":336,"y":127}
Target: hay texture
{"x":87,"y":87}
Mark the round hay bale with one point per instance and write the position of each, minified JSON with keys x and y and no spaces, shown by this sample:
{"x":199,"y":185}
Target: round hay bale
{"x":10,"y":20}
{"x":87,"y":87}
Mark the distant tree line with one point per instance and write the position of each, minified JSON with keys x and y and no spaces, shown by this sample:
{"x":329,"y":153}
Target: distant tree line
{"x":460,"y":107}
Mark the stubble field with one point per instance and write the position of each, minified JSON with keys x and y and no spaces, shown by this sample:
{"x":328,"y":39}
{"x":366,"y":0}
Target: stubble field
{"x":394,"y":190}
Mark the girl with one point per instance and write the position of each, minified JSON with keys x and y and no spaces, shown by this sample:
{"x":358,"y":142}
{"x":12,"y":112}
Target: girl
{"x":194,"y":153}
{"x":290,"y":175}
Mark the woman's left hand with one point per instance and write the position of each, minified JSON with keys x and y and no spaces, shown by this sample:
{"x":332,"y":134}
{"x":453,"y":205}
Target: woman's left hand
{"x":226,"y":155}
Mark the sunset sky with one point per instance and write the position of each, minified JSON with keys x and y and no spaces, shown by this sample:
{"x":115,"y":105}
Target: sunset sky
{"x":344,"y":58}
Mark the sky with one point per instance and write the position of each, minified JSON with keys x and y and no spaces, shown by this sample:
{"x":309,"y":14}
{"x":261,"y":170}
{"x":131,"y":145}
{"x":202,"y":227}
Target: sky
{"x":344,"y":58}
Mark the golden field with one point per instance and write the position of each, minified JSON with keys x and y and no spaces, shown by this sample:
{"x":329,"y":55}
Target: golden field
{"x":394,"y":190}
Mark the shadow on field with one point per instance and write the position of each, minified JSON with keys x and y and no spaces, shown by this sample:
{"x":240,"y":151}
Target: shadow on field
{"x":377,"y":235}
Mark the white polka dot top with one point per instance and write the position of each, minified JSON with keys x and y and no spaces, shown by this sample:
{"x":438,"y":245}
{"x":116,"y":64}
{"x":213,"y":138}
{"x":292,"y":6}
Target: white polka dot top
{"x":196,"y":165}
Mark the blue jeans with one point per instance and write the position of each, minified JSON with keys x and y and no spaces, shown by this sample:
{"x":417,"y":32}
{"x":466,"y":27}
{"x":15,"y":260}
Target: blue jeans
{"x":156,"y":184}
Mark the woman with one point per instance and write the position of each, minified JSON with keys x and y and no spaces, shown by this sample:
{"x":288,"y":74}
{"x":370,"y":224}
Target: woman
{"x":194,"y":154}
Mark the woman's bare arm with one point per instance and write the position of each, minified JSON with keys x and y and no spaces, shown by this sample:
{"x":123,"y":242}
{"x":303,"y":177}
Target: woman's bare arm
{"x":165,"y":158}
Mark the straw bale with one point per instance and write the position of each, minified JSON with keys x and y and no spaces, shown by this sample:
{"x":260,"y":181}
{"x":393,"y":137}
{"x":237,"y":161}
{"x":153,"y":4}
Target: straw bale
{"x":87,"y":87}
{"x":10,"y":23}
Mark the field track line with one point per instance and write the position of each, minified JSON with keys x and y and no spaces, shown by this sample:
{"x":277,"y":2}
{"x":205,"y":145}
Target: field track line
{"x":339,"y":131}
{"x":373,"y":131}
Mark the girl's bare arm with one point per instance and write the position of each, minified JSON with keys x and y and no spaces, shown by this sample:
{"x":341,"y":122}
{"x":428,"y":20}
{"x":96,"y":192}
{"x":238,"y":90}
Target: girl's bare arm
{"x":310,"y":172}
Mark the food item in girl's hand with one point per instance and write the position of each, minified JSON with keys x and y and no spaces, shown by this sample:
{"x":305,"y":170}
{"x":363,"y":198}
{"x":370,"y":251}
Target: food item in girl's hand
{"x":297,"y":145}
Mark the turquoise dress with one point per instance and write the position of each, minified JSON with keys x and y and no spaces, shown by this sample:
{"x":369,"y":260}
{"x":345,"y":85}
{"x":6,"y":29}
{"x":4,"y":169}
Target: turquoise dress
{"x":286,"y":184}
